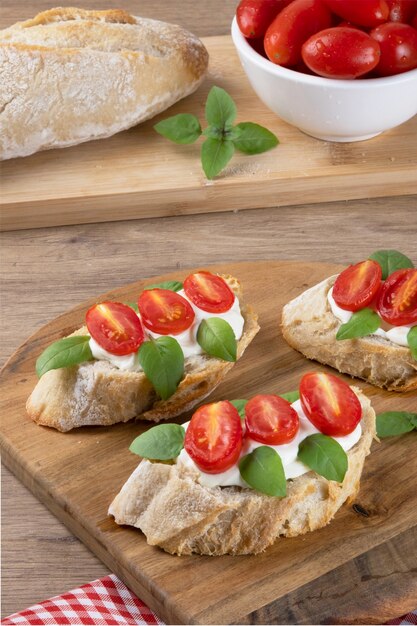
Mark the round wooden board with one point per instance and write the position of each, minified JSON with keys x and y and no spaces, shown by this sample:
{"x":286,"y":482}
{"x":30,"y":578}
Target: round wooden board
{"x":77,"y":474}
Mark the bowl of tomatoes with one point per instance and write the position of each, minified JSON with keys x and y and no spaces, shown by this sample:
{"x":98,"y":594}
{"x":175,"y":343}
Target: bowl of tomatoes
{"x":339,"y":70}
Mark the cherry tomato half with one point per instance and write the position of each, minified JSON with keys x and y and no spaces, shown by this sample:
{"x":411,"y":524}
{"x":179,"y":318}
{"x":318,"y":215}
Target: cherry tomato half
{"x":214,"y":437}
{"x":271,"y":420}
{"x":254,"y":16}
{"x":292,"y":27}
{"x":341,"y":52}
{"x":357,"y":285}
{"x":397,"y":301}
{"x":402,"y":10}
{"x":330,"y":404}
{"x":209,"y":292}
{"x":363,"y":12}
{"x":398,"y":43}
{"x":165,"y":312}
{"x":115,"y":327}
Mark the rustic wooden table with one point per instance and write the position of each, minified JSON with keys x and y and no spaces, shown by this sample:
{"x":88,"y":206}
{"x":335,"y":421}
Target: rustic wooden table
{"x":44,"y":272}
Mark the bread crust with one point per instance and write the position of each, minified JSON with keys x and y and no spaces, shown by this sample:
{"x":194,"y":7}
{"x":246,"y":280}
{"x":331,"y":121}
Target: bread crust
{"x":309,"y":326}
{"x":70,"y":75}
{"x":97,"y":393}
{"x":181,"y":516}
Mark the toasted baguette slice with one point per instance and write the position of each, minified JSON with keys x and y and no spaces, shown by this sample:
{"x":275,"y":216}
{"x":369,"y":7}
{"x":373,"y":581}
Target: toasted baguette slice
{"x":181,"y":516}
{"x":97,"y":393}
{"x":309,"y":326}
{"x":70,"y":75}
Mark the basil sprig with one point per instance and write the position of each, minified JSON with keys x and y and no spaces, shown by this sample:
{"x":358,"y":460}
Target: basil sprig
{"x":412,"y":341}
{"x":171,"y":285}
{"x":64,"y":353}
{"x":390,"y":261}
{"x":160,"y":443}
{"x":291,"y":396}
{"x":324,"y":455}
{"x":362,"y":323}
{"x":262,"y":470}
{"x":217,"y":338}
{"x":240,"y":406}
{"x":393,"y":423}
{"x":222,"y":137}
{"x":162,"y":361}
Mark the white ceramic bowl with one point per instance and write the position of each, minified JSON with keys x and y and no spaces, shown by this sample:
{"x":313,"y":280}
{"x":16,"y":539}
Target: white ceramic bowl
{"x":329,"y":109}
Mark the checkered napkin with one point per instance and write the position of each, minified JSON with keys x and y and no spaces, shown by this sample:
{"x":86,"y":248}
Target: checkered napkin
{"x":104,"y":602}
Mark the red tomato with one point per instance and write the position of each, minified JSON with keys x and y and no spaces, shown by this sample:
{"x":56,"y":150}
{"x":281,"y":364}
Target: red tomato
{"x":341,"y":52}
{"x":115,"y":327}
{"x":398,"y":43}
{"x":165,"y":312}
{"x":402,"y":10}
{"x":357,"y":285}
{"x":330,"y":404}
{"x":363,"y":12}
{"x":254,"y":16}
{"x":292,"y":27}
{"x":397,"y":301}
{"x":414,"y":22}
{"x":271,"y":420}
{"x":209,"y":292}
{"x":214,"y":437}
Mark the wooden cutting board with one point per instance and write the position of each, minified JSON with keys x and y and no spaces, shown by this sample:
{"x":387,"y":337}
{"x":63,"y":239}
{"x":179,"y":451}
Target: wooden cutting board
{"x":359,"y":569}
{"x":138,"y":174}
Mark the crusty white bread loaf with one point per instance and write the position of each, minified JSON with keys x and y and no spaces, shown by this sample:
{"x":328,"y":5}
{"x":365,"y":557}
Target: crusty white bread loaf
{"x":181,"y":516}
{"x":309,"y":326}
{"x":98,"y":393}
{"x":70,"y":75}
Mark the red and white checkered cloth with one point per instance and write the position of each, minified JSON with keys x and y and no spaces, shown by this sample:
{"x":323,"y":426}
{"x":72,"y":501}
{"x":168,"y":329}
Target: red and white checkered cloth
{"x":103,"y":602}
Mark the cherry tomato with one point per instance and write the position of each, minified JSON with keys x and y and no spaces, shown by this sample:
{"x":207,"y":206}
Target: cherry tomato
{"x":209,"y":292}
{"x":115,"y":327}
{"x":414,"y":22}
{"x":254,"y":16}
{"x":341,"y":52}
{"x":292,"y":27}
{"x":397,"y":301}
{"x":398,"y":43}
{"x":363,"y":12}
{"x":165,"y":312}
{"x":271,"y":420}
{"x":357,"y":285}
{"x":330,"y":404}
{"x":402,"y":10}
{"x":214,"y":437}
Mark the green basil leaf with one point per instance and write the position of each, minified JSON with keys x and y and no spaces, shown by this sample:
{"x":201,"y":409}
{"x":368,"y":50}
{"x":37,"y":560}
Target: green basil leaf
{"x":171,"y":285}
{"x":240,"y":406}
{"x":262,"y":470}
{"x":412,"y":341}
{"x":134,"y":306}
{"x":182,"y":128}
{"x":160,"y":443}
{"x":390,"y":260}
{"x":220,"y":108}
{"x":324,"y":455}
{"x":362,"y":323}
{"x":254,"y":139}
{"x":162,"y":361}
{"x":291,"y":396}
{"x":394,"y":423}
{"x":217,"y":338}
{"x":215,"y":155}
{"x":214,"y":132}
{"x":64,"y":353}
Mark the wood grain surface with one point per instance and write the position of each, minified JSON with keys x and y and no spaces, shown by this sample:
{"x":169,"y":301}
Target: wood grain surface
{"x":145,"y":175}
{"x":38,"y":455}
{"x":45,"y":272}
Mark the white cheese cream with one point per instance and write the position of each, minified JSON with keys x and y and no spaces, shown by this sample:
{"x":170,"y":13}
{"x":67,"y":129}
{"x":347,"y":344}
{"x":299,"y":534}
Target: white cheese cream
{"x":287,"y":451}
{"x":396,"y":334}
{"x":187,"y":339}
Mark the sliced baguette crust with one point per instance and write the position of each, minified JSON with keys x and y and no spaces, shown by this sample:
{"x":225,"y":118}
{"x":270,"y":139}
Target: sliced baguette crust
{"x":97,"y":393}
{"x":181,"y":516}
{"x":309,"y":326}
{"x":70,"y":75}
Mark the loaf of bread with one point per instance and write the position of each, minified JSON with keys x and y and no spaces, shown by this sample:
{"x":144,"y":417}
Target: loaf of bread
{"x":97,"y":393}
{"x":309,"y":326}
{"x":70,"y":75}
{"x":178,"y":514}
